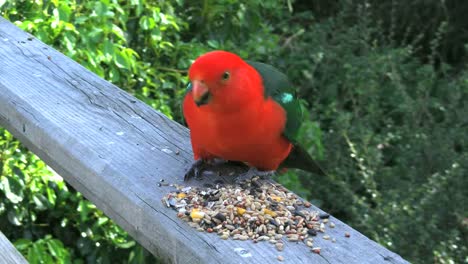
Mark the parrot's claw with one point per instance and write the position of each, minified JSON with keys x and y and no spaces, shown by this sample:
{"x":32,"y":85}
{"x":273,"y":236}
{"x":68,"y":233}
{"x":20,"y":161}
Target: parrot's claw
{"x":195,"y":170}
{"x":252,"y":172}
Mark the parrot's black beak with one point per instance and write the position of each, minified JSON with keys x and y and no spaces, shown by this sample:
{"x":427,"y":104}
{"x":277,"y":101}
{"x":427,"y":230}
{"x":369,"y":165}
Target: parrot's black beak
{"x":204,"y":99}
{"x":201,"y":94}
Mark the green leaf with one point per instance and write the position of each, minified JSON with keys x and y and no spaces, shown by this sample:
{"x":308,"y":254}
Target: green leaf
{"x":118,"y":32}
{"x":64,"y":12}
{"x":13,"y":189}
{"x":83,"y":209}
{"x":213,"y":44}
{"x":147,"y":23}
{"x":137,"y":255}
{"x":40,"y":201}
{"x":114,"y":74}
{"x":121,"y":60}
{"x":102,"y":221}
{"x":108,"y":49}
{"x":22,"y":244}
{"x":13,"y":218}
{"x":128,"y":244}
{"x":55,"y":248}
{"x":18,"y":172}
{"x":34,"y":255}
{"x":38,"y":253}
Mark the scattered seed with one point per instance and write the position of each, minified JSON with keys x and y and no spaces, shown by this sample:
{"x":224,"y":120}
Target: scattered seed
{"x":316,"y":250}
{"x":240,"y":211}
{"x":276,"y":198}
{"x":326,"y":237}
{"x":196,"y":214}
{"x":279,"y":246}
{"x":293,"y":237}
{"x":322,"y":227}
{"x":186,"y":189}
{"x":243,"y":237}
{"x":312,"y":232}
{"x":220,"y":217}
{"x":324,"y":216}
{"x":347,"y":234}
{"x":280,"y":258}
{"x":252,"y":211}
{"x":332,"y":225}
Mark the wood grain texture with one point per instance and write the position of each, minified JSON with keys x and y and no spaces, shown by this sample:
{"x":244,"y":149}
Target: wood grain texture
{"x":8,"y":252}
{"x":115,"y":149}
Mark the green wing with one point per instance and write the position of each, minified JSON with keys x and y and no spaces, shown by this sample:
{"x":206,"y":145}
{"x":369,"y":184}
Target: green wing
{"x":277,"y":85}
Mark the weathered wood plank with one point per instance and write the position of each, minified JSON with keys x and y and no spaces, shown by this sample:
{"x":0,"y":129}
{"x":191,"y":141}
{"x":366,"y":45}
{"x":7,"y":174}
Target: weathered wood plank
{"x":8,"y":252}
{"x":115,"y":149}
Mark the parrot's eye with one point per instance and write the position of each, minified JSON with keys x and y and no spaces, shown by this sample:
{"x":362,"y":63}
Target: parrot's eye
{"x":226,"y":76}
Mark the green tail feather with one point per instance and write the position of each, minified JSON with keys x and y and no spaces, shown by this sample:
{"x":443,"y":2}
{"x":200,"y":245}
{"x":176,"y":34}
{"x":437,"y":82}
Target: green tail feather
{"x":278,"y":87}
{"x":300,"y":159}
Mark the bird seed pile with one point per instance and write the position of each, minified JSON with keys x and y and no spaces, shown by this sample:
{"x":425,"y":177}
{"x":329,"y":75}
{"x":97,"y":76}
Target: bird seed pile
{"x":252,"y":211}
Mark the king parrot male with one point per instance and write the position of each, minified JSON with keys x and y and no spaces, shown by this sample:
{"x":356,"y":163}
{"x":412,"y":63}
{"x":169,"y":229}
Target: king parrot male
{"x":243,"y":111}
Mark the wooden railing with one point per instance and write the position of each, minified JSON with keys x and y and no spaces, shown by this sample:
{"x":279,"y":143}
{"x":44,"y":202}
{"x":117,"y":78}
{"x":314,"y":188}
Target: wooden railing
{"x":115,"y":149}
{"x":8,"y":253}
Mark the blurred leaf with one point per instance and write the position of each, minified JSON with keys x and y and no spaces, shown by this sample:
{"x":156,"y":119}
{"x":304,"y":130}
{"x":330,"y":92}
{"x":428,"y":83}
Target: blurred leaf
{"x":55,"y":248}
{"x":108,"y":48}
{"x":121,"y":60}
{"x":14,"y":218}
{"x":41,"y":202}
{"x":22,"y":244}
{"x":126,"y":245}
{"x":13,"y":189}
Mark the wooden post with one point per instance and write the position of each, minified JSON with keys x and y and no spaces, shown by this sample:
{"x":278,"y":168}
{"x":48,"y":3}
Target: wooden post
{"x":115,"y":149}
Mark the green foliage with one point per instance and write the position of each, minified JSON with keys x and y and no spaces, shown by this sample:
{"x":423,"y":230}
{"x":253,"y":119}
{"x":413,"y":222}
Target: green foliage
{"x":51,"y":223}
{"x":394,"y":135}
{"x":46,"y":250}
{"x":385,"y":84}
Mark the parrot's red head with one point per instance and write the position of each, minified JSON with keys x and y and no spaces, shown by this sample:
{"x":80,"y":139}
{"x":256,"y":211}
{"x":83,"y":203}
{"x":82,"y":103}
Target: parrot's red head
{"x":223,"y":81}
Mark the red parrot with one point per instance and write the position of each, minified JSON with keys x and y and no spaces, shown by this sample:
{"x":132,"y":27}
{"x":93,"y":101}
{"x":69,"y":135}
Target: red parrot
{"x":243,"y":111}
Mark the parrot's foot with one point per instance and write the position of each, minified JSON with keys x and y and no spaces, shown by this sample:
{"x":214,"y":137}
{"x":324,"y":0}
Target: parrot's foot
{"x":196,"y":170}
{"x":252,"y":172}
